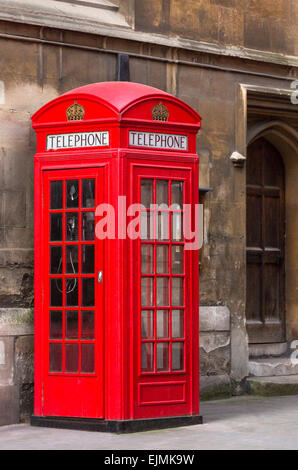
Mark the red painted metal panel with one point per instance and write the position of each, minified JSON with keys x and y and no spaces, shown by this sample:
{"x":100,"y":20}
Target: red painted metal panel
{"x":161,"y":393}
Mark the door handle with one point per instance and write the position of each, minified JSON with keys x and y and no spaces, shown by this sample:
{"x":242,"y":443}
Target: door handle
{"x":99,"y":276}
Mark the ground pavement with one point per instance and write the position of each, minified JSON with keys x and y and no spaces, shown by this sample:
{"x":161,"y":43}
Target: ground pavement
{"x":236,"y":423}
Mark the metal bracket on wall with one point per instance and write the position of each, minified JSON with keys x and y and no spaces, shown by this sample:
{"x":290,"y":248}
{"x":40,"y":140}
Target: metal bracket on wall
{"x":203,"y":191}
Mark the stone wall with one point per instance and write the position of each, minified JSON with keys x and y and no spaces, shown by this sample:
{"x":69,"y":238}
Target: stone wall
{"x":16,"y":364}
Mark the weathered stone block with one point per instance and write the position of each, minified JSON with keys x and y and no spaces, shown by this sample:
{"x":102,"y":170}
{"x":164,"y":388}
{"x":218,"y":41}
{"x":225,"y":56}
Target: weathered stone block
{"x":214,"y":318}
{"x":9,"y":404}
{"x":215,"y":386}
{"x":6,"y":360}
{"x":264,"y":8}
{"x":24,"y":360}
{"x":105,"y":69}
{"x":216,"y":360}
{"x":214,"y":340}
{"x":149,"y":73}
{"x":15,"y":209}
{"x":26,"y":401}
{"x":16,"y":321}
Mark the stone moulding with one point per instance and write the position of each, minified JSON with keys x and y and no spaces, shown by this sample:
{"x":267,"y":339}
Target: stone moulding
{"x":113,"y":24}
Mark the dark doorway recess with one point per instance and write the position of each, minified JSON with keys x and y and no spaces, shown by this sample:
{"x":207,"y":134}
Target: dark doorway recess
{"x":265,"y":243}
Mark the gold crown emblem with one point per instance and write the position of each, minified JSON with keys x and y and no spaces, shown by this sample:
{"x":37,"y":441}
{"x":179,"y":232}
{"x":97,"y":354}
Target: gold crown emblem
{"x":75,"y":112}
{"x":160,"y":112}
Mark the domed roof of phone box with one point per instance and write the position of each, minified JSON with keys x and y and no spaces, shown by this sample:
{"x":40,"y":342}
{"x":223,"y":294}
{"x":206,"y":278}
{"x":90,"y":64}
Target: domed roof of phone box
{"x":121,"y":100}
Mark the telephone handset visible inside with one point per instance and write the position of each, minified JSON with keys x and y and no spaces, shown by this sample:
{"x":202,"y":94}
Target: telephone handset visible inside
{"x":72,"y":230}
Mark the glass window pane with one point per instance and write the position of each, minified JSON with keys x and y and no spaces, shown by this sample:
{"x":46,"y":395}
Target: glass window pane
{"x":147,"y":324}
{"x":71,"y":226}
{"x":56,"y":324}
{"x":88,"y":193}
{"x":88,"y":259}
{"x":72,"y":193}
{"x":56,"y":198}
{"x":88,"y":358}
{"x":147,"y":291}
{"x":72,"y":357}
{"x":72,"y":257}
{"x":55,"y":357}
{"x":147,"y":357}
{"x":146,"y":192}
{"x":177,"y":259}
{"x":88,"y":292}
{"x":177,"y":194}
{"x":162,"y":356}
{"x":72,"y":291}
{"x":177,"y":226}
{"x":87,"y":327}
{"x":177,"y":356}
{"x":56,"y":259}
{"x":162,"y":291}
{"x":88,"y":226}
{"x":177,"y":291}
{"x":162,"y":192}
{"x":162,"y":226}
{"x":147,"y":259}
{"x":177,"y":323}
{"x":147,"y":225}
{"x":162,"y":324}
{"x":56,"y":297}
{"x":56,"y":227}
{"x":72,"y":325}
{"x":162,"y":259}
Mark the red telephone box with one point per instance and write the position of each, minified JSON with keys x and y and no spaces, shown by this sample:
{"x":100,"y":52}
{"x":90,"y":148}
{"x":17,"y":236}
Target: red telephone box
{"x":116,"y":281}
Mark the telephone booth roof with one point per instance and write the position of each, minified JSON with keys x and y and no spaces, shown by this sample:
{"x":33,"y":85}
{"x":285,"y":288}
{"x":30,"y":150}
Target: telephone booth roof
{"x":117,"y":101}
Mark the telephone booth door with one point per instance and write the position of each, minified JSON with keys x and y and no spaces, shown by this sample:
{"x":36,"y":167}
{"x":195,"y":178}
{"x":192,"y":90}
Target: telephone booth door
{"x":164,"y":311}
{"x":72,"y":292}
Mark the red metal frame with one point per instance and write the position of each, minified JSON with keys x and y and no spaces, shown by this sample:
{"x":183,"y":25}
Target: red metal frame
{"x":121,"y":390}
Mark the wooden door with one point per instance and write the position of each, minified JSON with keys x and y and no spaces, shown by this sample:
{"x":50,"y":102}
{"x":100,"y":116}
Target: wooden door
{"x":265,"y":242}
{"x":72,"y":318}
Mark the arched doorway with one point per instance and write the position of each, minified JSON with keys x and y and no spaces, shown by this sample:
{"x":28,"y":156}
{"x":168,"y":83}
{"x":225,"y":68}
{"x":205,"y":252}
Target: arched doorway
{"x":265,"y":243}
